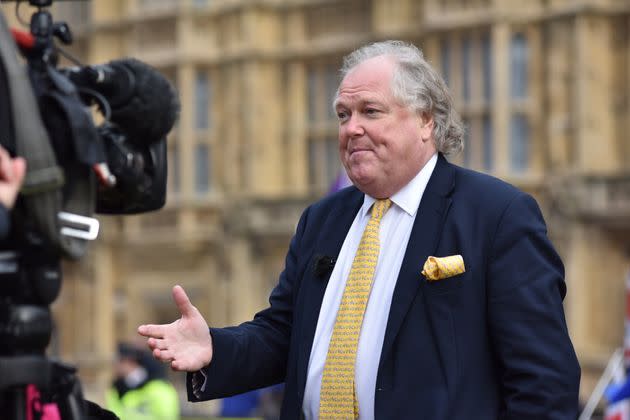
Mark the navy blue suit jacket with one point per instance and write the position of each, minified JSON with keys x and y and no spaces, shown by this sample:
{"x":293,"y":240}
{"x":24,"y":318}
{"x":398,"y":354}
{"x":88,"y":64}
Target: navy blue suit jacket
{"x":490,"y":343}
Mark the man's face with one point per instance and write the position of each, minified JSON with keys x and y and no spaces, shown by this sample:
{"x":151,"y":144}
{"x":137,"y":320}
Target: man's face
{"x":382,"y":143}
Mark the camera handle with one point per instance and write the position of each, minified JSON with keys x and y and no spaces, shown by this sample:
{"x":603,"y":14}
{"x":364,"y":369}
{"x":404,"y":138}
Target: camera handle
{"x":78,"y":226}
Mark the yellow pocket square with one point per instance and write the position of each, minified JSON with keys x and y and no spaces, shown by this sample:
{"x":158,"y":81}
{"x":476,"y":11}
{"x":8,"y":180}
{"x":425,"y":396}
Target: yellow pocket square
{"x":436,"y":268}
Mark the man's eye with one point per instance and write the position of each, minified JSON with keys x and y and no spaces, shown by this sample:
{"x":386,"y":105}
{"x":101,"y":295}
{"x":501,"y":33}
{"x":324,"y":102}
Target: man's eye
{"x":342,"y":115}
{"x":371,"y":111}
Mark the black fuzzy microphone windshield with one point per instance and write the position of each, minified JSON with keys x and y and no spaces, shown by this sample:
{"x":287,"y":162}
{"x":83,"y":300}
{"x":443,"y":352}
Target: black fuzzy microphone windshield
{"x":143,"y":102}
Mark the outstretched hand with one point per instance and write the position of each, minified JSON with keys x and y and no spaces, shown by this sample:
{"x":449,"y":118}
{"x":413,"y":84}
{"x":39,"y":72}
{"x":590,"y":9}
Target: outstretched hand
{"x":185,"y":343}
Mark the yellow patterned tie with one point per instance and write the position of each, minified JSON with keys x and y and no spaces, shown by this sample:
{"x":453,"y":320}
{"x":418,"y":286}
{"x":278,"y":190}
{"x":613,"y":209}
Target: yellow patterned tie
{"x":338,"y":396}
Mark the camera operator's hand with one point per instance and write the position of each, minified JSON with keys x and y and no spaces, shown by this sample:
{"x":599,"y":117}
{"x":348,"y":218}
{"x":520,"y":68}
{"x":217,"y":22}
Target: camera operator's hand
{"x":12,"y":172}
{"x":185,"y":343}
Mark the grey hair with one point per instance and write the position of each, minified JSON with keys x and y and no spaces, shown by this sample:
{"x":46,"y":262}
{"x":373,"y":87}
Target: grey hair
{"x":417,"y":85}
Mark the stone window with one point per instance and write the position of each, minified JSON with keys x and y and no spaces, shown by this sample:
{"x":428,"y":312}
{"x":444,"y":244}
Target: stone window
{"x":519,"y":144}
{"x":466,"y":65}
{"x":202,"y":151}
{"x":323,"y":156}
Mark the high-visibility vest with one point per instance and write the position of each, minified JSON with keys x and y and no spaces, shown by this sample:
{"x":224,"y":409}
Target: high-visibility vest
{"x":155,"y":400}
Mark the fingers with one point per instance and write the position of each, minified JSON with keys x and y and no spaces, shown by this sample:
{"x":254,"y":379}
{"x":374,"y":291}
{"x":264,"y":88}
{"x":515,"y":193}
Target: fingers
{"x":12,"y":170}
{"x":176,"y":365}
{"x":163,"y":355}
{"x":183,"y":303}
{"x":156,"y":331}
{"x":167,"y":356}
{"x":157,"y":344}
{"x":19,"y":169}
{"x":5,"y":165}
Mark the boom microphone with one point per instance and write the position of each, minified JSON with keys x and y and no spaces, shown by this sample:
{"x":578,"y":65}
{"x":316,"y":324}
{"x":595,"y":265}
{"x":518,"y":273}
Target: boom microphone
{"x":142,"y":101}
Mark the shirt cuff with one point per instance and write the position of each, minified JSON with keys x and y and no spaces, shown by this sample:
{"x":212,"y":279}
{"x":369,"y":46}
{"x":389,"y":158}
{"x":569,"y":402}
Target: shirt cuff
{"x":199,"y":380}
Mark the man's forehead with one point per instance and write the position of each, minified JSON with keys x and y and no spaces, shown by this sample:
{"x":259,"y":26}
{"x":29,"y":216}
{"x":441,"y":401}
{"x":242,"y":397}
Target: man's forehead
{"x":369,"y":80}
{"x":375,"y":68}
{"x":362,"y":96}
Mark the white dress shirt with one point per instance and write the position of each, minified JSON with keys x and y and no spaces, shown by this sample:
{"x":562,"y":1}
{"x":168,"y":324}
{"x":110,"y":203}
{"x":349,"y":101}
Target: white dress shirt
{"x":394,"y":233}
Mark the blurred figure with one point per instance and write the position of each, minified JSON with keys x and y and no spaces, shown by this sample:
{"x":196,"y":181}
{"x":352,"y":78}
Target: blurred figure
{"x":242,"y":405}
{"x":263,"y":404}
{"x":270,"y":402}
{"x":140,"y":390}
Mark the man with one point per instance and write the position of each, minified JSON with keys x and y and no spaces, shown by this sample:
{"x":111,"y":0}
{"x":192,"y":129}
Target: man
{"x":140,"y":390}
{"x":478,"y":333}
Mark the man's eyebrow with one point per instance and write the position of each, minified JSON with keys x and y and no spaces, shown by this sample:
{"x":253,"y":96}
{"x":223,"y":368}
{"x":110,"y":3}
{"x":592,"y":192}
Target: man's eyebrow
{"x":371,"y":102}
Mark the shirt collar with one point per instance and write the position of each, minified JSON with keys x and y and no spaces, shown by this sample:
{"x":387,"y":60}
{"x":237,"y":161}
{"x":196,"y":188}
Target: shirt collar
{"x":408,"y":197}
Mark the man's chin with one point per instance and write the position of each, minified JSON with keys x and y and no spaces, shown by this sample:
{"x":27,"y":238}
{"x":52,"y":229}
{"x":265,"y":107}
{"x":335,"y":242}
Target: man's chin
{"x":365,"y":184}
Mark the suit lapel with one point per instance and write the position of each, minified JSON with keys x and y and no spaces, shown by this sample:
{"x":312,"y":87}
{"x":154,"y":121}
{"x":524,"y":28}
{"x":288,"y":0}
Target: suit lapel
{"x":423,"y":242}
{"x":331,"y":237}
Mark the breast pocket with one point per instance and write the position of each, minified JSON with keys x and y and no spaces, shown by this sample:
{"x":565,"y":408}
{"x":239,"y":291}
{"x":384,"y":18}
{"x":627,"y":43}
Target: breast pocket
{"x":449,"y":284}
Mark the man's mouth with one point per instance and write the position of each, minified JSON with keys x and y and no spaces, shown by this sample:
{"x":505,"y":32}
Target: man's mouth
{"x":358,"y":150}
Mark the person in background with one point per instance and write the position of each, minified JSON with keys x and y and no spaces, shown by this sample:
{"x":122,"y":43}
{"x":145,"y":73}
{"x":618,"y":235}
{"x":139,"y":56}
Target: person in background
{"x":242,"y":405}
{"x":271,"y":402}
{"x":262,"y":404}
{"x":140,"y":390}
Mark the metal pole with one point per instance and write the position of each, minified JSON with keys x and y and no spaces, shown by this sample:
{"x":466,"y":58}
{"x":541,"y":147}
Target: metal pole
{"x":614,"y":363}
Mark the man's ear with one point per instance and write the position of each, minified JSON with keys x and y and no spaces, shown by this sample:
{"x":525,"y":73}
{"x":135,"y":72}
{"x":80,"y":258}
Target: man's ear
{"x":426,"y":119}
{"x":426,"y":126}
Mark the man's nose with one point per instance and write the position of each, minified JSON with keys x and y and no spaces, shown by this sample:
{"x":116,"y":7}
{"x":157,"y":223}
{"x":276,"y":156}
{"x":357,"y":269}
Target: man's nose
{"x":354,"y":126}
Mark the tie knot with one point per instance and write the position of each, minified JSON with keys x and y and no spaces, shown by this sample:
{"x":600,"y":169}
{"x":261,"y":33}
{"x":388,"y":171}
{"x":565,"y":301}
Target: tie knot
{"x":380,"y":207}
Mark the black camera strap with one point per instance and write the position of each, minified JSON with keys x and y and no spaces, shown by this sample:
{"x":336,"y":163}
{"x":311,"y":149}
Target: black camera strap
{"x":62,"y":221}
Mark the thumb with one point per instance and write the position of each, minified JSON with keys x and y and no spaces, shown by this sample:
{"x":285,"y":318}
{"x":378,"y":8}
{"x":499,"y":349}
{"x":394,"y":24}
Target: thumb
{"x":183,"y":303}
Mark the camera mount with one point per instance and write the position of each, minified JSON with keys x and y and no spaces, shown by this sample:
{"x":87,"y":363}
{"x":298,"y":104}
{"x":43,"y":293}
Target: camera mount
{"x":40,"y":3}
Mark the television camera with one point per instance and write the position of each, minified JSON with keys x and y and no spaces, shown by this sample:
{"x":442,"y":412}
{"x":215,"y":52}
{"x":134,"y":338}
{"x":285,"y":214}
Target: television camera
{"x":75,"y":168}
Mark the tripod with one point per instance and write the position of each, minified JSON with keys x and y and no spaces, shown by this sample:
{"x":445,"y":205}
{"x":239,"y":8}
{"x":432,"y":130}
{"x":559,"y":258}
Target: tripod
{"x":30,"y":280}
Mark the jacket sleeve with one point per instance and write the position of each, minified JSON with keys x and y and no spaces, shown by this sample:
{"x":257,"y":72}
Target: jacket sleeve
{"x":539,"y":370}
{"x":254,"y":354}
